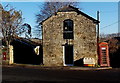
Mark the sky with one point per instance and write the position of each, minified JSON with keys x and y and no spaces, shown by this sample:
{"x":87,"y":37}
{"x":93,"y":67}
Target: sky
{"x":108,"y":13}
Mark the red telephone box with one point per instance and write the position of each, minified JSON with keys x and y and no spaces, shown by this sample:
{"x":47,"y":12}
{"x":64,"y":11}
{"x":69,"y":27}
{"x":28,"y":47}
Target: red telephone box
{"x":104,"y":54}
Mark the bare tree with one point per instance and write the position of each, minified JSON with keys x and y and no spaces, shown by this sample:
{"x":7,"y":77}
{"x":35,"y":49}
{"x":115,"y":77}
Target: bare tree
{"x":48,"y":9}
{"x":11,"y":25}
{"x":113,"y":47}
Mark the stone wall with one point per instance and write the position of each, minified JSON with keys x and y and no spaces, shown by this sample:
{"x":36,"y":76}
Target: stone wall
{"x":0,"y":18}
{"x":84,"y":42}
{"x":0,"y":35}
{"x":11,"y":58}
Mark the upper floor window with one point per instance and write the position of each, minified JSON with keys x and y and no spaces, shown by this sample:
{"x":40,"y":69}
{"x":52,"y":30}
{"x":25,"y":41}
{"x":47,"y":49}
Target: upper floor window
{"x":68,"y":29}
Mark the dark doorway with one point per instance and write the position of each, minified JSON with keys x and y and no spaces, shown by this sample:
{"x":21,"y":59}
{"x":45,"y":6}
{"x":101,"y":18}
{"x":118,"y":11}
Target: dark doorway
{"x":24,"y":53}
{"x":68,"y":54}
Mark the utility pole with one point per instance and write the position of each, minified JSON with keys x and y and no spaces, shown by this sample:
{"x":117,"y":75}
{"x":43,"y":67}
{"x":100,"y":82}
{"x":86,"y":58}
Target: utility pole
{"x":98,"y":33}
{"x":98,"y":27}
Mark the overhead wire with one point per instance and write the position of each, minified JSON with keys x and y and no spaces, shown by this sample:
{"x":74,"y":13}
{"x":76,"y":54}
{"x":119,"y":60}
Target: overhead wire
{"x":110,"y":24}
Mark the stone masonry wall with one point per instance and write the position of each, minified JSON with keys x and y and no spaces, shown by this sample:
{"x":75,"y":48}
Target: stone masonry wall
{"x":84,"y":42}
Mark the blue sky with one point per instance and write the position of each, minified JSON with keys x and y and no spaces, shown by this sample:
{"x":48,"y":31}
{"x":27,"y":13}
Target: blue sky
{"x":108,"y":13}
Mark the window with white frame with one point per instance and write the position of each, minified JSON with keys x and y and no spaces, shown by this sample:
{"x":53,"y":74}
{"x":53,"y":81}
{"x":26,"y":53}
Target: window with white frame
{"x":68,"y":29}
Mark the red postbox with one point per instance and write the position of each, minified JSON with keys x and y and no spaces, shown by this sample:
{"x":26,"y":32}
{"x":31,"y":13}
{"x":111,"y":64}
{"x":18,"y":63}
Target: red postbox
{"x":104,"y":54}
{"x":4,"y":55}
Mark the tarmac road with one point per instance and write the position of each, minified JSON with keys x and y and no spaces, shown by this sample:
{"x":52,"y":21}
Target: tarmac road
{"x":41,"y":75}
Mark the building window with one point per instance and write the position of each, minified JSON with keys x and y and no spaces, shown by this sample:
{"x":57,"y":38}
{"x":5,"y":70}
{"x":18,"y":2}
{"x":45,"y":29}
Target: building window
{"x":68,"y":29}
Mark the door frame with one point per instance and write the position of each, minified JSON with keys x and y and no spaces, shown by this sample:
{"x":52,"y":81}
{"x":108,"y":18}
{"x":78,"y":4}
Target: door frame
{"x":64,"y":57}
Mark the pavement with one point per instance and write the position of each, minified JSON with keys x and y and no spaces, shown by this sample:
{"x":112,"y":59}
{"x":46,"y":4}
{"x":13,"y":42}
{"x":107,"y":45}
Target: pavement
{"x":57,"y":67}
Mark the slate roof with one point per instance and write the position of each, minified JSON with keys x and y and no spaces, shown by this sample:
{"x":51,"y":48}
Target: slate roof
{"x":67,"y":9}
{"x":30,"y":42}
{"x":70,"y":8}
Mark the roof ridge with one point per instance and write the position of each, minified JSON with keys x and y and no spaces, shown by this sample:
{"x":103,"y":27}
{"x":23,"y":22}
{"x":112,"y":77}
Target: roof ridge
{"x":69,"y":8}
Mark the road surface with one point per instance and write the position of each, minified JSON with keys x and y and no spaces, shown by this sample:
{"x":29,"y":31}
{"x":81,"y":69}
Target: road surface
{"x":38,"y":75}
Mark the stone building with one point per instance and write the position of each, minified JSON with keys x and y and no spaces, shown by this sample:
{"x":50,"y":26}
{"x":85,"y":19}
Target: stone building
{"x":23,"y":51}
{"x":0,"y":34}
{"x":69,"y":36}
{"x":0,"y":16}
{"x":1,"y":11}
